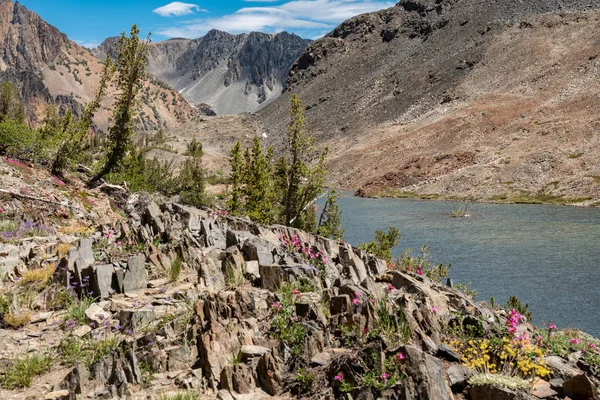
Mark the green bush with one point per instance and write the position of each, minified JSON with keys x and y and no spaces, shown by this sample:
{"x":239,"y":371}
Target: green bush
{"x":20,"y":373}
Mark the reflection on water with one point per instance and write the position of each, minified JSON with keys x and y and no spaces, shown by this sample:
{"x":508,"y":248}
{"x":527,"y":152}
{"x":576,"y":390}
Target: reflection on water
{"x":547,"y":256}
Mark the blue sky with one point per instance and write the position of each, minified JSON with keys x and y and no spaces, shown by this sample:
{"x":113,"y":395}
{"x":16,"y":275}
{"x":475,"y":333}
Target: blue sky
{"x":88,"y":22}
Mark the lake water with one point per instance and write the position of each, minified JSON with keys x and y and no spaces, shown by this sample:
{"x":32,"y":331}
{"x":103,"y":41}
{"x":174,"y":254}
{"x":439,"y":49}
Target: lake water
{"x":547,"y":256}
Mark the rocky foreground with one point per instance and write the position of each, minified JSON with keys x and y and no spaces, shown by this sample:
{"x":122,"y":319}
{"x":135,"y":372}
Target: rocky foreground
{"x":108,"y":295}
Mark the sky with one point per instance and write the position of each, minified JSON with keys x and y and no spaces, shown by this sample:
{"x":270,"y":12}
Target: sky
{"x":89,"y":22}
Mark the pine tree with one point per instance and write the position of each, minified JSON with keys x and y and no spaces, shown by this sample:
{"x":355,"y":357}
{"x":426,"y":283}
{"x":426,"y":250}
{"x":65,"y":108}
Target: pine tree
{"x":11,"y":108}
{"x":234,"y":204}
{"x":304,"y":183}
{"x":330,"y":222}
{"x":259,"y":192}
{"x":130,"y":69}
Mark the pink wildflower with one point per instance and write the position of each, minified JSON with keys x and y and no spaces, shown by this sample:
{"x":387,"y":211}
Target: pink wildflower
{"x":355,"y":302}
{"x":400,"y":356}
{"x":277,"y":306}
{"x":385,"y":376}
{"x":551,"y":326}
{"x":574,"y":341}
{"x":435,"y":310}
{"x":357,"y":294}
{"x":1,"y":210}
{"x":419,"y":271}
{"x":338,"y":377}
{"x":390,"y":287}
{"x":591,"y":346}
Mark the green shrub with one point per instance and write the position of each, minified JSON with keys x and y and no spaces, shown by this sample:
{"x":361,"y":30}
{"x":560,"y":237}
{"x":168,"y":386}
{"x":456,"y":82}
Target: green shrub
{"x":383,"y":244}
{"x":20,"y":373}
{"x":176,"y":269}
{"x":194,"y":149}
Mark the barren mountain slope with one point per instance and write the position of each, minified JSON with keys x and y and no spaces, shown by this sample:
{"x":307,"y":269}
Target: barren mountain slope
{"x":49,"y":68}
{"x":488,"y":99}
{"x":230,"y":73}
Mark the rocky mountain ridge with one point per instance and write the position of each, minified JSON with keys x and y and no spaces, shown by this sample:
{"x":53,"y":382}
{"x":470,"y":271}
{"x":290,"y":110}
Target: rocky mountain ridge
{"x":456,"y":99}
{"x":47,"y":67}
{"x":230,"y":73}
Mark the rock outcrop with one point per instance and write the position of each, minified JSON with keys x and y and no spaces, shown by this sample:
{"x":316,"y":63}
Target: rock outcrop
{"x":153,"y":297}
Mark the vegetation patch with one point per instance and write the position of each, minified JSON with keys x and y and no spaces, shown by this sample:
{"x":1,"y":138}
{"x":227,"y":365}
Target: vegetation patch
{"x":20,"y":373}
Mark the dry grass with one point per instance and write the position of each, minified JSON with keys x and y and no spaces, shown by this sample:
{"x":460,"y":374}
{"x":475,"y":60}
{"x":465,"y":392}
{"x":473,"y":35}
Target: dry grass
{"x":63,"y":249}
{"x":40,"y":275}
{"x":18,"y":320}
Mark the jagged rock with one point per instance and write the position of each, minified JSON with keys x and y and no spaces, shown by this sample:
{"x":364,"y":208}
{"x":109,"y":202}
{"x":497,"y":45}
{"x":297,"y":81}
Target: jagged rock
{"x":179,"y":358}
{"x":75,"y":382}
{"x":487,"y":392}
{"x":152,"y":216}
{"x":96,"y":314}
{"x":9,"y":258}
{"x":580,"y":387}
{"x":233,"y":263}
{"x":136,"y":276}
{"x":269,"y":376}
{"x":236,"y":238}
{"x":446,"y":352}
{"x":353,"y":265}
{"x":426,"y":373}
{"x":214,"y":234}
{"x":134,"y":367}
{"x":542,"y":389}
{"x":561,"y":368}
{"x":101,"y":281}
{"x":340,"y":304}
{"x":458,"y":376}
{"x":136,"y":319}
{"x":252,"y":269}
{"x":257,"y":249}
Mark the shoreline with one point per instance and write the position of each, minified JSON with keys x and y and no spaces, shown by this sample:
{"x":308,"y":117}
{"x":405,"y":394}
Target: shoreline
{"x":586,"y":202}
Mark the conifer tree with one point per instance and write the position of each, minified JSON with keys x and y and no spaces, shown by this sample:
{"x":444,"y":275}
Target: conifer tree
{"x":259,"y":192}
{"x":330,"y":222}
{"x":130,"y":68}
{"x":11,"y":108}
{"x":304,"y":183}
{"x":234,"y":203}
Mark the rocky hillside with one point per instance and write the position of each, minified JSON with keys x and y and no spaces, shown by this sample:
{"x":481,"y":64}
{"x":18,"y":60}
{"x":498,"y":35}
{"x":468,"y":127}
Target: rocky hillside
{"x":230,"y":73}
{"x":110,"y":295}
{"x":47,"y":67}
{"x":457,"y":98}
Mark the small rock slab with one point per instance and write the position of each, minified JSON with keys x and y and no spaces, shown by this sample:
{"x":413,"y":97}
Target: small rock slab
{"x":41,"y":317}
{"x":542,"y":389}
{"x":58,"y":395}
{"x":250,"y":351}
{"x":96,"y":314}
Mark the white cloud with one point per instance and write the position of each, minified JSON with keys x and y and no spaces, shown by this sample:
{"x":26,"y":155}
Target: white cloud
{"x":177,"y":9}
{"x":308,"y":17}
{"x":90,"y":44}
